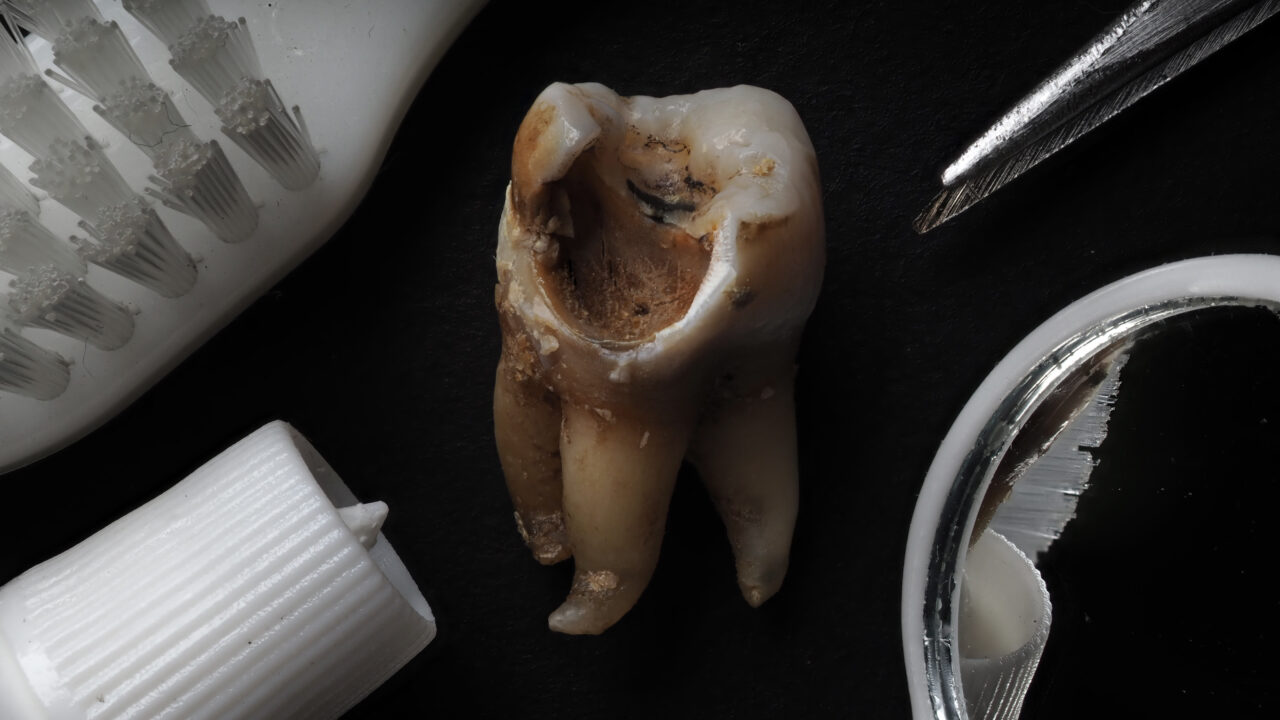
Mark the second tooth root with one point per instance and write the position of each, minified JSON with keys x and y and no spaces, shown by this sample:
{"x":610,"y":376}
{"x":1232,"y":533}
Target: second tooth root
{"x":657,"y":260}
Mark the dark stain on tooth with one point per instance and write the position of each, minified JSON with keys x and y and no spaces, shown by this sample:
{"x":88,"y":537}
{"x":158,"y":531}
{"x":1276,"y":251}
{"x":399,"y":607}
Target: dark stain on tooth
{"x":740,"y":297}
{"x":659,"y":205}
{"x":695,"y":184}
{"x":675,"y":148}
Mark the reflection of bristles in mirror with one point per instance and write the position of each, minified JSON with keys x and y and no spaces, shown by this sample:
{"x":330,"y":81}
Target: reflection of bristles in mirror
{"x":1035,"y":488}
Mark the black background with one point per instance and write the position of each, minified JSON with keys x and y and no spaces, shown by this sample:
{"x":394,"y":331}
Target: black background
{"x":381,"y":347}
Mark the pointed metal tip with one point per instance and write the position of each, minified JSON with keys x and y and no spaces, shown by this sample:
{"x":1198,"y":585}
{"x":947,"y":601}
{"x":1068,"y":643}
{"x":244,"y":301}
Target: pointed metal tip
{"x":1188,"y":31}
{"x":948,"y":203}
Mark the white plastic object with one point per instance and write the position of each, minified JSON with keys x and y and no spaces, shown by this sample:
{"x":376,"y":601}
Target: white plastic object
{"x":352,"y":67}
{"x":1005,"y":615}
{"x":1138,"y":300}
{"x":256,"y":588}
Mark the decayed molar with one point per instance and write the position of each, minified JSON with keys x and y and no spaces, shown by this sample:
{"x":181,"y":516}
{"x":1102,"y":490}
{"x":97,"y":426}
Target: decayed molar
{"x":657,"y":260}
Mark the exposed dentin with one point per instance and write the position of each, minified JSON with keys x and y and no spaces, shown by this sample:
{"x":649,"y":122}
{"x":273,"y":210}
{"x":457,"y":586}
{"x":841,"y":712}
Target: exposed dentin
{"x":623,"y":271}
{"x":657,"y":259}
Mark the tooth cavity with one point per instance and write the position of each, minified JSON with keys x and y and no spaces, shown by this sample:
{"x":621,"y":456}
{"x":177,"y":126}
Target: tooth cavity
{"x":624,"y":270}
{"x":167,"y":19}
{"x":657,"y":260}
{"x":56,"y":300}
{"x":28,"y":369}
{"x":130,"y":240}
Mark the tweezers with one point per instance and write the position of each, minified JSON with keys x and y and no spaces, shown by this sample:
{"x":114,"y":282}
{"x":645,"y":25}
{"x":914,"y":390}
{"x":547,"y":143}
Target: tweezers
{"x":1152,"y":42}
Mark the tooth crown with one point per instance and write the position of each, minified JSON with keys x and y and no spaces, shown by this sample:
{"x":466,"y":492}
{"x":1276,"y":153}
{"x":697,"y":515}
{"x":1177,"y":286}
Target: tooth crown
{"x":762,"y":220}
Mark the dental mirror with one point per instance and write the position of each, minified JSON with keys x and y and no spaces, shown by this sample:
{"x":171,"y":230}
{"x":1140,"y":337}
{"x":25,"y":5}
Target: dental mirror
{"x":1139,"y":424}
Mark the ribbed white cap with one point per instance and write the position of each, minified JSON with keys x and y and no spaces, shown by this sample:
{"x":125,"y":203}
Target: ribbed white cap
{"x":239,"y":593}
{"x":1005,"y":615}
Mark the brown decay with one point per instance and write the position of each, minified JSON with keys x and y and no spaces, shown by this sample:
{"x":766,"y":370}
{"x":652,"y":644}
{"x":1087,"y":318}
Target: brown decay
{"x":619,"y":268}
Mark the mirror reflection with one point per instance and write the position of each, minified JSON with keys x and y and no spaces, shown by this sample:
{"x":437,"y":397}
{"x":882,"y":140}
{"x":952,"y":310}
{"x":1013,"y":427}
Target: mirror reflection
{"x":1155,"y":460}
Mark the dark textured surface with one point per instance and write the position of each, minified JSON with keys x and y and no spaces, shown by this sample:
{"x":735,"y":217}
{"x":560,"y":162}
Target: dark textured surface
{"x":381,"y":347}
{"x":1161,"y":586}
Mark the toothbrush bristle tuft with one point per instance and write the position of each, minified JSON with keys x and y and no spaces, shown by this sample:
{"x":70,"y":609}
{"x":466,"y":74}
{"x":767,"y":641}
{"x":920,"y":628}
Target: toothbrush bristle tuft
{"x":214,"y":54}
{"x":33,"y":116}
{"x":48,"y":18}
{"x":28,"y":369}
{"x":14,"y":194}
{"x":145,"y":114}
{"x":25,"y":244}
{"x":79,"y":175}
{"x":130,"y":240}
{"x":57,"y":300}
{"x":122,"y":232}
{"x":197,"y":179}
{"x":168,"y":19}
{"x":254,"y":117}
{"x":97,"y":56}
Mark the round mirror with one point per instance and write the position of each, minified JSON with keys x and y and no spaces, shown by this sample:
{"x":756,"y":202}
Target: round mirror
{"x":1097,"y":510}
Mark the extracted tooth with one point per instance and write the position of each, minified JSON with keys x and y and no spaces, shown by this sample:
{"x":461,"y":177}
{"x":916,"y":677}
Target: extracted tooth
{"x":657,"y":260}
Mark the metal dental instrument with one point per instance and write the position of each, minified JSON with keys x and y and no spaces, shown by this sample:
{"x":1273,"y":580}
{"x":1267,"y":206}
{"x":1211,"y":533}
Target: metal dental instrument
{"x":1151,"y":42}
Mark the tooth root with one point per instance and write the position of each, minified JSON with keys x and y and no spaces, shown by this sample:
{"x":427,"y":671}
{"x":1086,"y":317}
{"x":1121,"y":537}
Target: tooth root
{"x":619,"y":472}
{"x":746,"y":455}
{"x":526,"y":423}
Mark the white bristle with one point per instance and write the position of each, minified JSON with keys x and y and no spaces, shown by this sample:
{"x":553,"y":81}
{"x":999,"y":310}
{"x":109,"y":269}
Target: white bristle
{"x":168,"y":19}
{"x":48,"y":18}
{"x":57,"y":300}
{"x":145,"y":114}
{"x":214,"y":55}
{"x":1045,"y":497}
{"x":28,"y":369}
{"x":254,"y":117}
{"x":14,"y":195}
{"x":97,"y":56}
{"x":130,"y":240}
{"x":33,"y":116}
{"x":79,"y":175}
{"x":197,"y":179}
{"x":25,"y":244}
{"x":15,"y":57}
